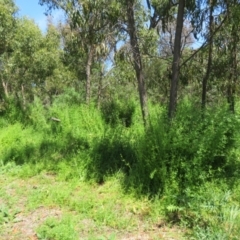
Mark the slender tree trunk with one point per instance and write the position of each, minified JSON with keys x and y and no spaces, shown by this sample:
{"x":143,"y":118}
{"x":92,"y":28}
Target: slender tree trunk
{"x":88,"y":75}
{"x":231,"y":89}
{"x":209,"y":66}
{"x":23,"y":97}
{"x":233,"y":73}
{"x":100,"y":88}
{"x":232,"y":79}
{"x":230,"y":96}
{"x":5,"y":88}
{"x":138,"y":67}
{"x":176,"y":60}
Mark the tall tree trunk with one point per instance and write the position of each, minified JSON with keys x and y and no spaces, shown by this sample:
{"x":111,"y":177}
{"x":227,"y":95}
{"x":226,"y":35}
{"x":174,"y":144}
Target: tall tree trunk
{"x":100,"y":87}
{"x":233,"y":63}
{"x":233,"y":73}
{"x":88,"y":74}
{"x":137,"y":60}
{"x":23,"y":97}
{"x":209,"y":66}
{"x":176,"y":60}
{"x":5,"y":88}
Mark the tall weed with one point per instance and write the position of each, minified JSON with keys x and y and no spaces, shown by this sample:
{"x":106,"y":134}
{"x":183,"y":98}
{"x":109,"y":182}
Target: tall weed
{"x":187,"y":151}
{"x":40,"y":138}
{"x":112,"y":152}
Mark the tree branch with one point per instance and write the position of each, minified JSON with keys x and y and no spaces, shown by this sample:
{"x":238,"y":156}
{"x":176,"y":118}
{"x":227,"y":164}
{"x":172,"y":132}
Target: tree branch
{"x":205,"y":43}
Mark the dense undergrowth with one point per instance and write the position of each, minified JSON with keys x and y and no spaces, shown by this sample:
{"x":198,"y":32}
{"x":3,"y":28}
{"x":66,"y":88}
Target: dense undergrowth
{"x":188,"y":167}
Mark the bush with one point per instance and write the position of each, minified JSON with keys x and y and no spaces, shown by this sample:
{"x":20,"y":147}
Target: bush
{"x":39,"y":139}
{"x":115,"y":112}
{"x":111,"y":153}
{"x":190,"y":163}
{"x":187,"y":151}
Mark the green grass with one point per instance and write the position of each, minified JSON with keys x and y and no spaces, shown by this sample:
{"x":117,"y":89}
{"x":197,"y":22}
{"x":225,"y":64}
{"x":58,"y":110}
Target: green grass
{"x":85,"y":210}
{"x":53,"y":208}
{"x":108,"y":180}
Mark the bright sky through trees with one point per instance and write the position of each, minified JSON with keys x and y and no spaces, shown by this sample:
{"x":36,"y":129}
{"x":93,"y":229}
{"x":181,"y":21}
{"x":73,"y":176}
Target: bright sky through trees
{"x":33,"y":10}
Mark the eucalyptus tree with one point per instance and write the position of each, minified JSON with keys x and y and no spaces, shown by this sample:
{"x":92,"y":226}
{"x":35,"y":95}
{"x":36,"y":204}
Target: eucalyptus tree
{"x":207,"y":22}
{"x":137,"y":57}
{"x":227,"y":48}
{"x":32,"y":62}
{"x":176,"y":59}
{"x":74,"y":56}
{"x":27,"y":40}
{"x":167,"y":38}
{"x":217,"y":23}
{"x":165,"y":12}
{"x":206,"y":18}
{"x":210,"y":51}
{"x":7,"y":24}
{"x":56,"y":75}
{"x":95,"y":21}
{"x":234,"y":18}
{"x":7,"y":28}
{"x":16,"y":70}
{"x":164,"y":21}
{"x":232,"y":40}
{"x":91,"y":22}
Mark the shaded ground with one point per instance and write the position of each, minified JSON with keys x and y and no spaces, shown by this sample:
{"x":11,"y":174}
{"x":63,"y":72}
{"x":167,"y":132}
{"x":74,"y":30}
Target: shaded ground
{"x":43,"y":207}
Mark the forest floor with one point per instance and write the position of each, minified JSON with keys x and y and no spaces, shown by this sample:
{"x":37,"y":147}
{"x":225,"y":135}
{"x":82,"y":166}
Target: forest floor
{"x":46,"y":207}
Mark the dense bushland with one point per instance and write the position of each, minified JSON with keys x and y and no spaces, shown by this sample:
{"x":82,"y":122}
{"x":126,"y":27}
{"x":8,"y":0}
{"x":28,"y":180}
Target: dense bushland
{"x":190,"y":165}
{"x":77,"y":102}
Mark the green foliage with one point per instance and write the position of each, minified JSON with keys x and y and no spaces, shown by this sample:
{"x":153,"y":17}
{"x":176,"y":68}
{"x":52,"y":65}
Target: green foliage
{"x":18,"y":144}
{"x":57,"y":229}
{"x":70,"y":97}
{"x":190,"y":150}
{"x":39,"y":136}
{"x":12,"y":111}
{"x":188,"y":166}
{"x":212,"y":212}
{"x":7,"y":24}
{"x":5,"y":215}
{"x":111,"y":153}
{"x":177,"y":163}
{"x":37,"y":116}
{"x":33,"y":67}
{"x":186,"y":152}
{"x":115,"y":112}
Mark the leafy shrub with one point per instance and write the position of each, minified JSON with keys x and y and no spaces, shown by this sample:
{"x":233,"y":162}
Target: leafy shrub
{"x":115,"y":112}
{"x":41,"y":140}
{"x":214,"y":213}
{"x":70,"y":97}
{"x":111,"y":153}
{"x":19,"y":144}
{"x":13,"y":111}
{"x":179,"y":161}
{"x":187,"y":151}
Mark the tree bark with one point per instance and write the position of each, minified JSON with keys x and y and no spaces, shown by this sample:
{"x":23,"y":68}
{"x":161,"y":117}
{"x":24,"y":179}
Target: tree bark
{"x":23,"y":97}
{"x":88,"y":75}
{"x":231,"y":88}
{"x":176,"y":60}
{"x":138,"y":67}
{"x":233,"y":73}
{"x":99,"y":94}
{"x":209,"y":66}
{"x":5,"y":88}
